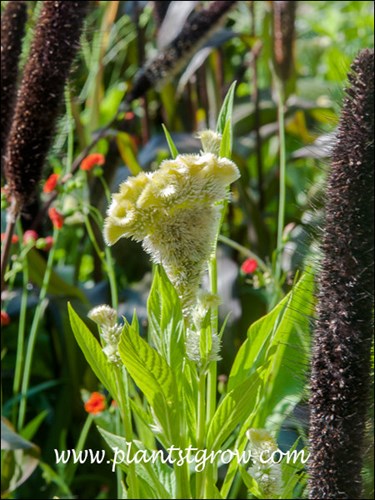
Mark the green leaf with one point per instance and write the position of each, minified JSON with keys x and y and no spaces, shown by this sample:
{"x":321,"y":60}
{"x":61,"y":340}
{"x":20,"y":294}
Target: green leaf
{"x":281,"y":339}
{"x":166,"y":325}
{"x":153,"y":376}
{"x":93,"y":352}
{"x":56,"y":285}
{"x":126,"y":150}
{"x":294,"y":473}
{"x":32,"y":427}
{"x":171,"y":144}
{"x":226,"y":110}
{"x":19,"y":458}
{"x":234,"y":408}
{"x":226,"y":141}
{"x":147,"y":471}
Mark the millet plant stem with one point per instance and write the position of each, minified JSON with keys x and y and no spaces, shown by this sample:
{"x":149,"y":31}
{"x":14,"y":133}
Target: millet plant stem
{"x":42,"y":303}
{"x":21,"y":330}
{"x":282,"y":171}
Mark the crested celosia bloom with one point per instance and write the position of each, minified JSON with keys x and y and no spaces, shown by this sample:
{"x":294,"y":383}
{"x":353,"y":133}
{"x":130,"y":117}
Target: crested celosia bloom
{"x":175,"y":212}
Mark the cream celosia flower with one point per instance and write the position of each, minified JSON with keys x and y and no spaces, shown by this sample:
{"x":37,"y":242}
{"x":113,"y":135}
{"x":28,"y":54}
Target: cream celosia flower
{"x":175,"y":212}
{"x":192,"y":344}
{"x":265,"y":469}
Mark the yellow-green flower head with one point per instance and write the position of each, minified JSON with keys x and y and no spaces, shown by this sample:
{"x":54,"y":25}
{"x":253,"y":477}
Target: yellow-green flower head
{"x":175,"y":212}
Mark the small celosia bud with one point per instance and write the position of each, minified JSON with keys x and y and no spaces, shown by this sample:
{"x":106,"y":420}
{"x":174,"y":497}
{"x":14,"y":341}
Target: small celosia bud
{"x":264,"y":470}
{"x":193,"y":350}
{"x":103,"y":315}
{"x":110,"y":331}
{"x":211,"y":141}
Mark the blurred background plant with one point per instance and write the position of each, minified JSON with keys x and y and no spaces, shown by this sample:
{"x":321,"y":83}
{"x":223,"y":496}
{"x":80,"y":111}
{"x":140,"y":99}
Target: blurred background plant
{"x":284,"y":123}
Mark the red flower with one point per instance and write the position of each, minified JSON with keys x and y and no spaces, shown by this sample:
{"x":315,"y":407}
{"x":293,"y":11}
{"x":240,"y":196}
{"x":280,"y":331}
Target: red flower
{"x":51,"y":183}
{"x":95,"y":404}
{"x":56,"y":218}
{"x":48,"y":240}
{"x":90,"y":161}
{"x":30,"y":235}
{"x":5,"y":318}
{"x":14,"y":238}
{"x":249,"y":266}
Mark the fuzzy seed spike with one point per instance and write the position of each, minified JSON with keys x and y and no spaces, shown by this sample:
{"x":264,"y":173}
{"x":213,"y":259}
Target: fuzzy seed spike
{"x":340,"y":376}
{"x":13,"y":23}
{"x":53,"y":50}
{"x":173,"y":58}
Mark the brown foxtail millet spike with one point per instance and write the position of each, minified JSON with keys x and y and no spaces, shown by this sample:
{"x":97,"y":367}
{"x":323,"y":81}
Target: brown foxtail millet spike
{"x":340,"y":377}
{"x":13,"y":22}
{"x":54,"y":46}
{"x":283,"y":37}
{"x":172,"y":59}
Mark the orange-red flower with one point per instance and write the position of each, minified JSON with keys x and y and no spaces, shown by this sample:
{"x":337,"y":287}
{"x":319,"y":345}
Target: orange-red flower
{"x":96,"y":403}
{"x":249,"y":266}
{"x":5,"y":318}
{"x":30,"y":235}
{"x":56,"y":217}
{"x":48,"y":240}
{"x":14,"y":238}
{"x":90,"y":161}
{"x":51,"y":183}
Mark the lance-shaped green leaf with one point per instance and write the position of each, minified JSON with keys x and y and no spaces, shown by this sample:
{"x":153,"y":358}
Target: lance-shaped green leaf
{"x":93,"y":352}
{"x":153,"y":376}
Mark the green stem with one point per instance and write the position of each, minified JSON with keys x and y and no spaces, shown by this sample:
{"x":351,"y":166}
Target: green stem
{"x":122,"y":383}
{"x":107,"y":262}
{"x":21,"y":330}
{"x":33,"y":332}
{"x":69,"y":115}
{"x":72,"y":466}
{"x":281,"y":212}
{"x":201,"y":432}
{"x":211,"y":470}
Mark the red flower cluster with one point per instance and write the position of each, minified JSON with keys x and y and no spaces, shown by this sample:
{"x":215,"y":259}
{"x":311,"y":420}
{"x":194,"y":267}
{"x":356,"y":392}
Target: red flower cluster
{"x":5,"y":318}
{"x":51,"y":183}
{"x":96,"y":403}
{"x":14,"y":238}
{"x":249,"y":266}
{"x":30,"y":235}
{"x":48,"y":243}
{"x":56,"y":217}
{"x":90,"y":161}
